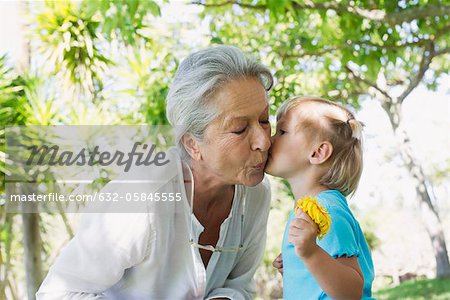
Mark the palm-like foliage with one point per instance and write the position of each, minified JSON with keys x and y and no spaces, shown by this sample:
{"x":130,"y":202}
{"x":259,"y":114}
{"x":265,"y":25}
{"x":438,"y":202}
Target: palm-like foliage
{"x":11,"y":90}
{"x":75,"y":37}
{"x":123,"y":20}
{"x":23,"y":101}
{"x":69,"y":43}
{"x":11,"y":107}
{"x":148,"y":83}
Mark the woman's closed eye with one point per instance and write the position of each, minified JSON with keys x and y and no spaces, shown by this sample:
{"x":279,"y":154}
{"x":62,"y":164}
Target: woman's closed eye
{"x":240,"y":131}
{"x":243,"y":129}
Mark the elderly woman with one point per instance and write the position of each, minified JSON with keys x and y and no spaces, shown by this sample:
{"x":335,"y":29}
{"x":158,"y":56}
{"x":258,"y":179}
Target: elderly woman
{"x":211,"y":246}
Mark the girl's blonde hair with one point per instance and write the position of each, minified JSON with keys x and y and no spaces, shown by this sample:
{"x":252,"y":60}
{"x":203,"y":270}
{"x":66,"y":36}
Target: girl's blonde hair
{"x":336,"y":124}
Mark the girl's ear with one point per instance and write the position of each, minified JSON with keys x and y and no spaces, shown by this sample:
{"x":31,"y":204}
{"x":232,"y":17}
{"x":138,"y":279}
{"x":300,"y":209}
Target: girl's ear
{"x":192,"y":147}
{"x":321,"y":153}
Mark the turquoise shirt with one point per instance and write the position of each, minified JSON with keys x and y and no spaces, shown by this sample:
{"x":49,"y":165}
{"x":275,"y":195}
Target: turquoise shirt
{"x":345,"y":239}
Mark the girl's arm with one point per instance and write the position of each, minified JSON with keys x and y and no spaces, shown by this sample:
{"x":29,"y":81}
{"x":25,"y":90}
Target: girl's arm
{"x":339,"y":278}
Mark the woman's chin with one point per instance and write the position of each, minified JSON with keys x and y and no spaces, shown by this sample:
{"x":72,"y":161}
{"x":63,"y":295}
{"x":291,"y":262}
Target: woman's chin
{"x":254,"y":178}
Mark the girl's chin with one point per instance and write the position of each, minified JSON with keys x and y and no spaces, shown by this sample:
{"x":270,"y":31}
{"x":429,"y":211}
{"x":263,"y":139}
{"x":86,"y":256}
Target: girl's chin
{"x":269,"y":168}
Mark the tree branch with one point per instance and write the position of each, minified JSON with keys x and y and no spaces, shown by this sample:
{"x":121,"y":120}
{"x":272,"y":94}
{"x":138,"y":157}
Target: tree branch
{"x":308,"y":53}
{"x":378,"y":15}
{"x":418,"y":13}
{"x":442,"y":51}
{"x":369,"y":83}
{"x":427,"y":57}
{"x":225,"y":3}
{"x":399,"y":17}
{"x":351,"y":44}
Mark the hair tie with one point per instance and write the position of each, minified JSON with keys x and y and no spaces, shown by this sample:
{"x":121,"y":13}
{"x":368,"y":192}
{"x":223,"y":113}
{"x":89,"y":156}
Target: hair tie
{"x":356,"y":129}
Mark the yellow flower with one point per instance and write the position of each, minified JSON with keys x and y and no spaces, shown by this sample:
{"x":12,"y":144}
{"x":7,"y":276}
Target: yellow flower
{"x":316,"y":212}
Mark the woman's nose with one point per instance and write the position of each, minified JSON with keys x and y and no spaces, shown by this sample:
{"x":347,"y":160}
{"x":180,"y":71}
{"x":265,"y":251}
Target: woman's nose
{"x":261,"y":139}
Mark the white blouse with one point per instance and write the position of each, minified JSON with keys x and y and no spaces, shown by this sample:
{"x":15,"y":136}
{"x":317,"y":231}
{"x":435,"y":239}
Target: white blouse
{"x":149,"y":256}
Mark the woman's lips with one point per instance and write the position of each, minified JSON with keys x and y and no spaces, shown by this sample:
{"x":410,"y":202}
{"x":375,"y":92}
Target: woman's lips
{"x":260,"y":166}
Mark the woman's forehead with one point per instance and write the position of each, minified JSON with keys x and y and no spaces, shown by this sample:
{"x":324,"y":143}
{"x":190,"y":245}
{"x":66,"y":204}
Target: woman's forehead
{"x":242,"y":90}
{"x":244,"y":114}
{"x":241,"y":98}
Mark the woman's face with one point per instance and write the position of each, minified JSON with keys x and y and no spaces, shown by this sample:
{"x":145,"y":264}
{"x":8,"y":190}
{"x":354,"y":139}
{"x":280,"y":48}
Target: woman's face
{"x":235,"y":145}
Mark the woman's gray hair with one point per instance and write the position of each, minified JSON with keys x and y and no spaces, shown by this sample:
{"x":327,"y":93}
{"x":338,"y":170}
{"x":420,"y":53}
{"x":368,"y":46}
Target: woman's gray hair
{"x":198,"y":78}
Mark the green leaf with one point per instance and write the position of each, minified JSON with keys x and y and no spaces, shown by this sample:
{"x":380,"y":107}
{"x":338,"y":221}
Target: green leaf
{"x":216,"y":40}
{"x":154,"y":8}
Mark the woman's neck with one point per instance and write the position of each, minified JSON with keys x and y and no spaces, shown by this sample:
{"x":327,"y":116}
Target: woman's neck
{"x":209,"y":191}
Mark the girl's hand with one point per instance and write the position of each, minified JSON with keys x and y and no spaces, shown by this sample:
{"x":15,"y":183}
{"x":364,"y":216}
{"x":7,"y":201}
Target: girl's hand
{"x":278,"y":264}
{"x":302,"y":234}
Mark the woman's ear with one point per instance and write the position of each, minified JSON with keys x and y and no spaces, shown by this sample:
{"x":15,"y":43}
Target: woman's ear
{"x":192,"y":147}
{"x":321,"y":153}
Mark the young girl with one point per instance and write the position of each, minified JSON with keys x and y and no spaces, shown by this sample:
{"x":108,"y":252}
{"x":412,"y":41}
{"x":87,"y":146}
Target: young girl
{"x":317,"y":148}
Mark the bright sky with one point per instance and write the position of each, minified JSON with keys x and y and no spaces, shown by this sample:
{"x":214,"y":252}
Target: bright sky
{"x":426,"y":114}
{"x":10,"y":33}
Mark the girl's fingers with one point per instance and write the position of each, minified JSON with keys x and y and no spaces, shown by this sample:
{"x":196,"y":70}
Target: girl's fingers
{"x":278,"y":264}
{"x":305,"y":217}
{"x":279,"y":259}
{"x":300,"y":224}
{"x":300,"y":228}
{"x":295,"y":240}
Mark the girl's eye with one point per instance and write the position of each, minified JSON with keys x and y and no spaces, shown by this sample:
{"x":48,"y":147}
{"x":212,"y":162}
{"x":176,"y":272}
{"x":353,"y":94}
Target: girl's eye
{"x":265,"y":122}
{"x":281,"y":131}
{"x":240,"y":131}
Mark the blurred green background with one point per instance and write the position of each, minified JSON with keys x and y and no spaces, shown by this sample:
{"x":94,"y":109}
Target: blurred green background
{"x":110,"y":62}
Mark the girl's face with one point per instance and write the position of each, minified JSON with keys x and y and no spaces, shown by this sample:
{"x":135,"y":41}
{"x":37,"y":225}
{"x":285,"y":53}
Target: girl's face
{"x":288,"y":155}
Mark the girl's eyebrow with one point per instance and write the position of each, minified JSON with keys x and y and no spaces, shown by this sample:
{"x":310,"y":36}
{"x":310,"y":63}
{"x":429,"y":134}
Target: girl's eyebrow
{"x":280,"y":123}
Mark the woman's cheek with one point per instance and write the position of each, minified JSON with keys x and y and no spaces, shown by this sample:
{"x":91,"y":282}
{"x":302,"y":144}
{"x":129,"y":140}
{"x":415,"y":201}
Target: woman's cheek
{"x":231,"y":142}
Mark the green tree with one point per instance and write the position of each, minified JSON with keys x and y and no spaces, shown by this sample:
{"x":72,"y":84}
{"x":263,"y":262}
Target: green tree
{"x":70,"y":46}
{"x":347,"y":50}
{"x":75,"y":38}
